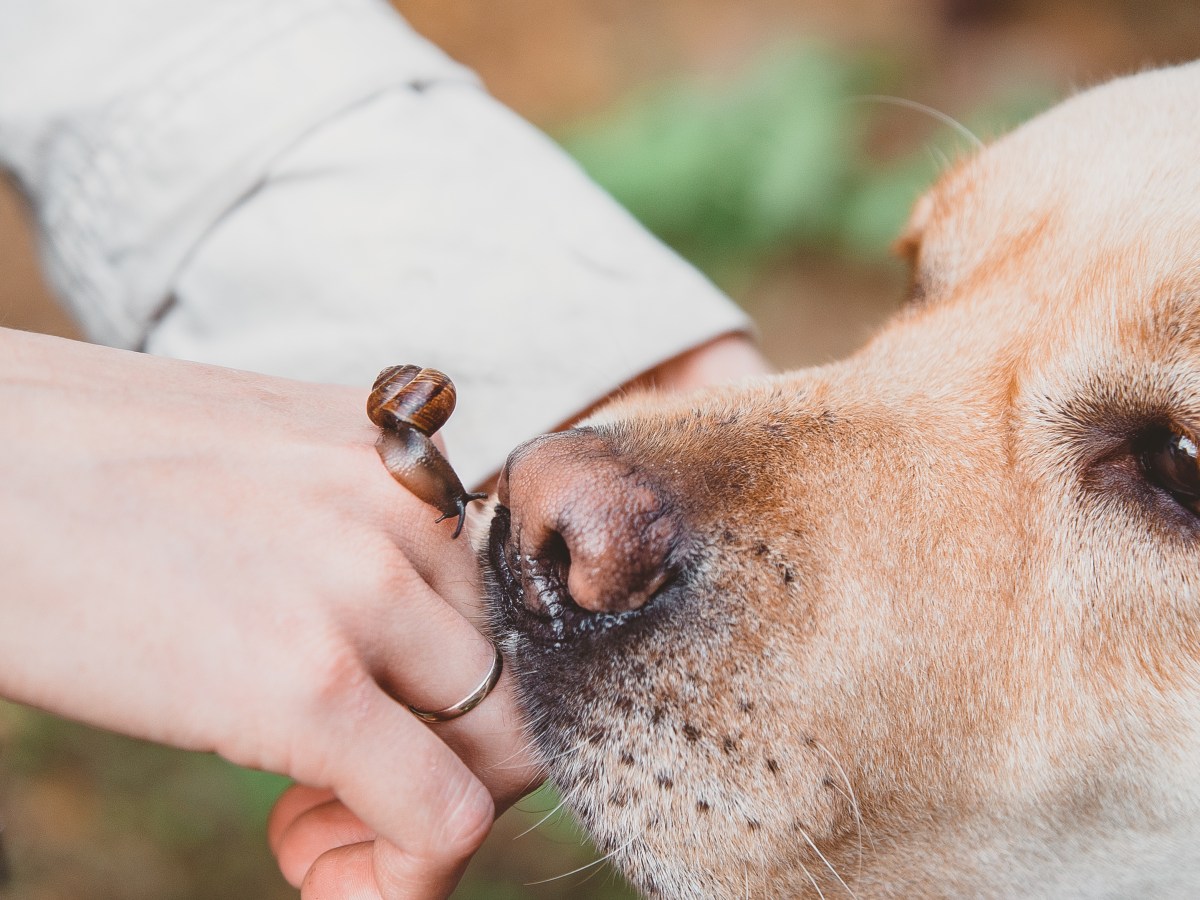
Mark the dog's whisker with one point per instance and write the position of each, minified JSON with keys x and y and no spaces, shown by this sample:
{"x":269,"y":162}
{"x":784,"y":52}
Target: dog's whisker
{"x":565,"y":806}
{"x":858,"y":825}
{"x":540,"y":822}
{"x":498,"y":767}
{"x":592,"y":875}
{"x":576,"y":748}
{"x":938,"y":156}
{"x":605,"y":858}
{"x":529,"y":746}
{"x":855,"y":806}
{"x":532,"y":745}
{"x":949,"y":121}
{"x":813,"y":881}
{"x":538,"y":795}
{"x":817,"y":850}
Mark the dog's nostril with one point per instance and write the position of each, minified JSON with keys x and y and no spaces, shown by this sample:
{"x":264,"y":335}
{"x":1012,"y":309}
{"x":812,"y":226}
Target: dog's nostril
{"x":543,"y":573}
{"x":586,"y":528}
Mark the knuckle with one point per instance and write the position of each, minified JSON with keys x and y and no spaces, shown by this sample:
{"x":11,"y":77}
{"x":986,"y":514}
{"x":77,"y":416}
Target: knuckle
{"x":385,"y":574}
{"x":336,"y":676}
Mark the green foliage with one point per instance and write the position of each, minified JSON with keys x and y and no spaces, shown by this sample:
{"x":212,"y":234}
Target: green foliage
{"x":733,"y":174}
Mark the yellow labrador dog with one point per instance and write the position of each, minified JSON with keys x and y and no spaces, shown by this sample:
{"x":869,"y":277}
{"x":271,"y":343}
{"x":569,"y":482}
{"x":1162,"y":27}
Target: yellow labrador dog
{"x":925,"y":622}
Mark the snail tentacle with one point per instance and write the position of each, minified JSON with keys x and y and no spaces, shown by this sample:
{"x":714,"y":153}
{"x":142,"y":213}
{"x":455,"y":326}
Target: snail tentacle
{"x":461,"y":512}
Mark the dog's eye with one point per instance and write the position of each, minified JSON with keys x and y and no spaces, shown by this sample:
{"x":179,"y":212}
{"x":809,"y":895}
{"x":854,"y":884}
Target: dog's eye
{"x":1171,"y":461}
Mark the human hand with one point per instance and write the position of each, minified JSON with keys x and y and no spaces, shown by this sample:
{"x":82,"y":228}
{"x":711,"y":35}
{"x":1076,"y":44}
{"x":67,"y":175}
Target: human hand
{"x":313,"y":834}
{"x":218,"y":561}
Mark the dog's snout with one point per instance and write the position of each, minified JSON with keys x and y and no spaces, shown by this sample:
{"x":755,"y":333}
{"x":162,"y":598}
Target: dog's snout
{"x":586,"y":528}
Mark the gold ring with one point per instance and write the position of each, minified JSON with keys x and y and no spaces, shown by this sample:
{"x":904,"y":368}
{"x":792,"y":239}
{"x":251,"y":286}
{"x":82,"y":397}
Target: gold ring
{"x":468,"y":703}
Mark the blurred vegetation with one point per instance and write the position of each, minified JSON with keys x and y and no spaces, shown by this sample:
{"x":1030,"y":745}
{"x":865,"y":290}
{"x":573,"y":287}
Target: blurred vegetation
{"x":91,"y":814}
{"x":733,"y":175}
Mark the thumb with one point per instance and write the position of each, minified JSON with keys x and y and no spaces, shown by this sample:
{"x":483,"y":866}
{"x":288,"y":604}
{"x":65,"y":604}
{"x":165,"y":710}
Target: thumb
{"x":415,"y":793}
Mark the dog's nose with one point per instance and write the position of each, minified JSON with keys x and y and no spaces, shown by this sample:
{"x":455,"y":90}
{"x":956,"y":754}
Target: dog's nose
{"x":585,"y":527}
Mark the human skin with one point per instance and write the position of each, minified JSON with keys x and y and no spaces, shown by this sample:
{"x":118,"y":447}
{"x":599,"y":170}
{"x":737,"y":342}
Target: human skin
{"x":326,"y":849}
{"x":217,"y":560}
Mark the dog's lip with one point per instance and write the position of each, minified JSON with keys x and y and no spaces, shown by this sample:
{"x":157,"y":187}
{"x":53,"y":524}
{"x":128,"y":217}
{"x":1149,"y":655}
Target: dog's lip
{"x":511,"y":590}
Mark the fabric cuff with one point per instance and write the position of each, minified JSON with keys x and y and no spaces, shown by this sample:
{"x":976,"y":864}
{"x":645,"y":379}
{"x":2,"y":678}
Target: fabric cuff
{"x":123,"y":191}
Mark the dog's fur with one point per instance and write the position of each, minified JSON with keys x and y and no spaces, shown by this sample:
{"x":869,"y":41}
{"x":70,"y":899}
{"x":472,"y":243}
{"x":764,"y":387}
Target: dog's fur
{"x":939,"y":630}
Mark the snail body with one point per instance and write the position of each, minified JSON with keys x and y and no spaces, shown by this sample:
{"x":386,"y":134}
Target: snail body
{"x":409,"y":404}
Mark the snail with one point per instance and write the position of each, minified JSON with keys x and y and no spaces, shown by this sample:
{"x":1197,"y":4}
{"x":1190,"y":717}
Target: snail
{"x":409,"y":404}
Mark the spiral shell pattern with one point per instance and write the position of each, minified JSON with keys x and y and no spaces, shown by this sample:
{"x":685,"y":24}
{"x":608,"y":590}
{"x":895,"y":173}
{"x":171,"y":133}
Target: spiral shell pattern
{"x":411,"y":395}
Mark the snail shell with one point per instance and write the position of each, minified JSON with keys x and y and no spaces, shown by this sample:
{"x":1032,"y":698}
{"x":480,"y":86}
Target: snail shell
{"x":411,"y":395}
{"x":410,"y":404}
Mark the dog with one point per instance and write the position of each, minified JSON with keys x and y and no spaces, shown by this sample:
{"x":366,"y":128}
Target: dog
{"x":924,"y":622}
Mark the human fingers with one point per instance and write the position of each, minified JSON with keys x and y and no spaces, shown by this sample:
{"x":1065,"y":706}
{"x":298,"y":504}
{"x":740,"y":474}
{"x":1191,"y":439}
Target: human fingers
{"x":376,"y":870}
{"x":431,"y":655}
{"x":314,"y":832}
{"x":492,"y":741}
{"x":342,"y":873}
{"x":406,"y":784}
{"x":450,"y":566}
{"x":427,"y":655}
{"x":311,"y":832}
{"x":289,"y":806}
{"x":420,"y":649}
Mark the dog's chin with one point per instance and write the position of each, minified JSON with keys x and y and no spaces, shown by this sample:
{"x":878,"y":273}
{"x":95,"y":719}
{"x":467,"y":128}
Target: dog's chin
{"x":535,"y":640}
{"x":654,"y":718}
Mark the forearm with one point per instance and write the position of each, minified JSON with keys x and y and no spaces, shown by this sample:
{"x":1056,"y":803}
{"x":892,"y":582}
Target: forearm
{"x":729,"y":357}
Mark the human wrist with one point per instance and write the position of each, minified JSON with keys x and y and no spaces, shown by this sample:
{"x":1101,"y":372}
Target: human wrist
{"x":728,"y":357}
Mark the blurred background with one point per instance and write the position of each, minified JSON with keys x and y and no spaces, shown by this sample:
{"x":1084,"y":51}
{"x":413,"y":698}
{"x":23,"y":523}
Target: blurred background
{"x":751,"y":136}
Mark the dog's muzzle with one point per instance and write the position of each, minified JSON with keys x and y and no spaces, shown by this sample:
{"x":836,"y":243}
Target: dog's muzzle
{"x":582,"y":537}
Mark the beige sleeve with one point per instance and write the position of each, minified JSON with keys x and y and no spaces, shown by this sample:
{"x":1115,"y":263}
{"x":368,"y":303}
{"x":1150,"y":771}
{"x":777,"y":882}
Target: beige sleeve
{"x":432,"y":226}
{"x":307,"y":188}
